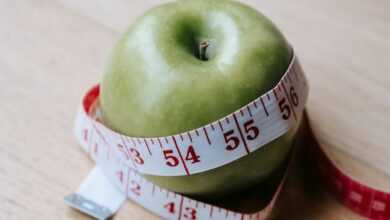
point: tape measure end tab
(87, 206)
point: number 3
(136, 156)
(190, 213)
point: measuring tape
(121, 159)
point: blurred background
(52, 51)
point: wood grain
(51, 51)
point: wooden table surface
(53, 50)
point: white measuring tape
(121, 159)
(211, 146)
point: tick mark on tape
(241, 135)
(128, 154)
(127, 181)
(207, 135)
(211, 211)
(91, 137)
(123, 149)
(295, 72)
(95, 151)
(85, 132)
(159, 142)
(289, 78)
(189, 136)
(220, 125)
(104, 140)
(120, 176)
(180, 156)
(275, 94)
(100, 134)
(265, 109)
(289, 101)
(254, 103)
(147, 146)
(249, 111)
(180, 207)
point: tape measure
(121, 159)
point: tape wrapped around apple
(185, 64)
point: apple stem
(203, 55)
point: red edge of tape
(360, 198)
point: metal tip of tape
(87, 206)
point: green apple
(187, 63)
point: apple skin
(156, 84)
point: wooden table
(53, 50)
